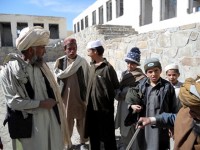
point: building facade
(11, 25)
(142, 15)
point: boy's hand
(136, 108)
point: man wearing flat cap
(35, 113)
(71, 71)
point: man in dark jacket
(100, 96)
(159, 106)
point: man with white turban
(35, 113)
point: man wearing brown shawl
(35, 109)
(187, 124)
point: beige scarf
(64, 128)
(72, 68)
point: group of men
(41, 115)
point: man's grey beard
(37, 61)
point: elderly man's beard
(37, 61)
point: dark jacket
(101, 87)
(99, 120)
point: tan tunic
(74, 105)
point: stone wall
(179, 45)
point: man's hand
(143, 121)
(48, 103)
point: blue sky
(59, 8)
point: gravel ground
(7, 142)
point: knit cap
(150, 63)
(133, 55)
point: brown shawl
(184, 136)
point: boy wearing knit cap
(129, 78)
(158, 101)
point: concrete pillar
(14, 32)
(156, 11)
(30, 24)
(114, 9)
(104, 13)
(97, 15)
(46, 26)
(182, 7)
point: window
(20, 26)
(38, 24)
(109, 10)
(146, 11)
(119, 7)
(5, 34)
(78, 27)
(101, 15)
(194, 6)
(168, 9)
(82, 25)
(74, 28)
(54, 32)
(94, 17)
(86, 21)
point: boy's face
(172, 76)
(91, 53)
(154, 74)
(131, 66)
(71, 50)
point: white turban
(32, 36)
(171, 66)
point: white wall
(132, 14)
